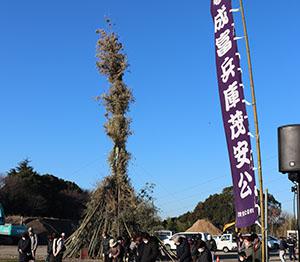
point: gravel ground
(10, 254)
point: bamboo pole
(259, 167)
(267, 227)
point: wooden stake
(259, 168)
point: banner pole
(259, 168)
(267, 226)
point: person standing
(139, 247)
(24, 248)
(282, 247)
(105, 246)
(54, 244)
(114, 251)
(211, 245)
(183, 250)
(248, 248)
(193, 248)
(150, 251)
(49, 248)
(122, 243)
(204, 254)
(59, 248)
(34, 242)
(256, 247)
(291, 246)
(131, 251)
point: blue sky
(49, 83)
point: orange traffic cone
(218, 259)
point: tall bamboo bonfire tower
(114, 201)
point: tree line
(219, 210)
(25, 192)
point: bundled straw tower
(113, 203)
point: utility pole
(257, 136)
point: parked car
(273, 242)
(216, 237)
(169, 243)
(226, 243)
(163, 234)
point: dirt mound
(15, 220)
(203, 225)
(44, 226)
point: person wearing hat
(182, 249)
(114, 251)
(34, 242)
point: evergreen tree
(25, 192)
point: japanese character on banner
(244, 184)
(221, 19)
(227, 69)
(240, 153)
(217, 2)
(237, 124)
(231, 96)
(223, 43)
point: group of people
(145, 248)
(287, 244)
(28, 244)
(195, 249)
(56, 247)
(249, 248)
(141, 248)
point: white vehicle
(226, 243)
(163, 234)
(169, 243)
(216, 238)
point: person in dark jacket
(24, 248)
(291, 247)
(204, 254)
(150, 251)
(182, 250)
(282, 247)
(256, 247)
(54, 239)
(131, 250)
(49, 247)
(193, 248)
(243, 257)
(122, 244)
(211, 245)
(139, 247)
(105, 247)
